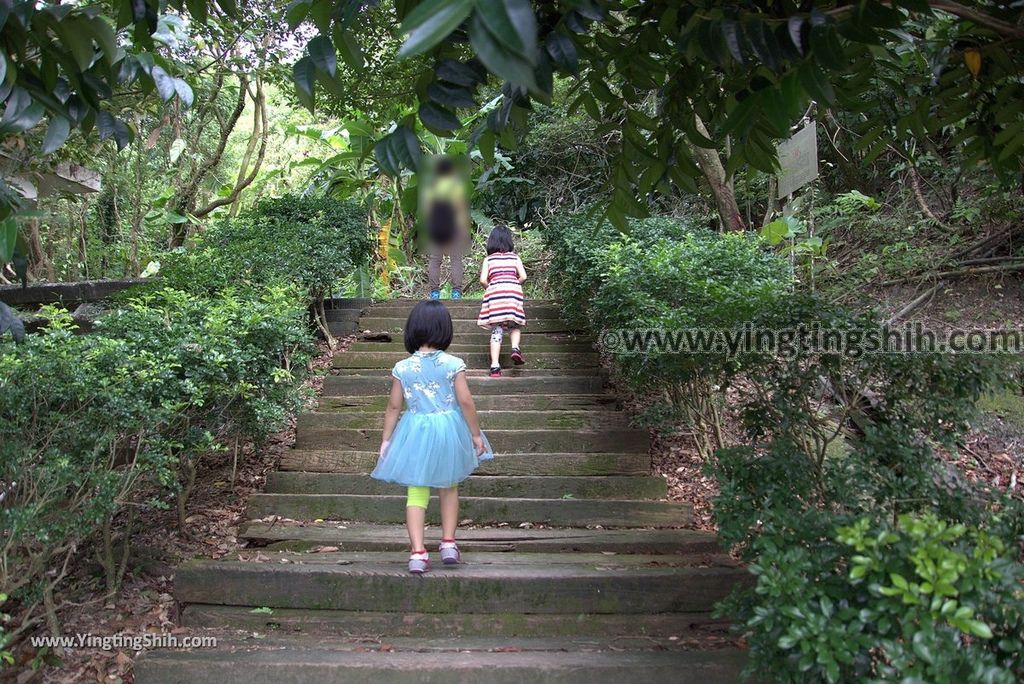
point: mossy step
(463, 325)
(484, 583)
(343, 315)
(565, 487)
(343, 328)
(489, 420)
(342, 623)
(477, 359)
(540, 464)
(378, 508)
(412, 301)
(351, 302)
(542, 344)
(282, 535)
(611, 440)
(464, 309)
(494, 402)
(353, 385)
(289, 660)
(507, 371)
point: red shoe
(517, 356)
(496, 372)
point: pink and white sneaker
(450, 552)
(419, 562)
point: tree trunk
(711, 166)
(185, 201)
(260, 132)
(39, 261)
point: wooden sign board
(798, 160)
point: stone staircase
(576, 568)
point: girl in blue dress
(437, 441)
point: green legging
(418, 497)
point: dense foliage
(665, 275)
(834, 448)
(98, 426)
(313, 241)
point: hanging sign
(798, 160)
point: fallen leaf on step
(325, 549)
(507, 649)
(387, 648)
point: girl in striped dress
(502, 309)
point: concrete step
(464, 308)
(540, 464)
(283, 535)
(348, 303)
(541, 344)
(495, 660)
(343, 315)
(489, 420)
(479, 359)
(566, 487)
(344, 623)
(507, 371)
(611, 440)
(495, 402)
(379, 508)
(355, 385)
(462, 326)
(484, 583)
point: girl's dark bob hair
(500, 240)
(429, 324)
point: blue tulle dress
(431, 445)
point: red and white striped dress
(503, 300)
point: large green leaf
(321, 51)
(164, 83)
(512, 23)
(110, 126)
(497, 58)
(56, 133)
(450, 96)
(295, 14)
(438, 119)
(198, 9)
(349, 48)
(456, 72)
(431, 22)
(184, 91)
(563, 52)
(398, 149)
(304, 75)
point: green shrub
(920, 600)
(314, 242)
(99, 424)
(667, 275)
(833, 446)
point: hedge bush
(100, 426)
(312, 241)
(834, 447)
(667, 275)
